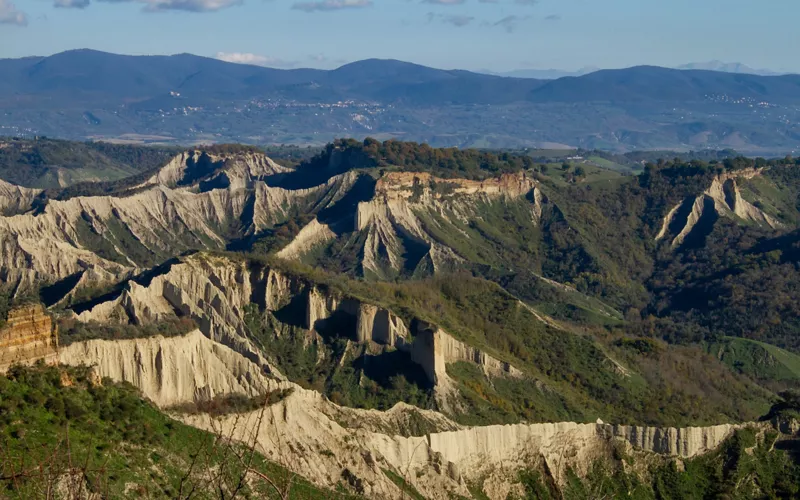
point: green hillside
(766, 363)
(61, 431)
(50, 163)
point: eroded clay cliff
(216, 292)
(327, 443)
(722, 199)
(109, 237)
(402, 208)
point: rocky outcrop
(378, 325)
(114, 236)
(685, 442)
(722, 199)
(398, 215)
(27, 337)
(405, 201)
(216, 292)
(407, 185)
(234, 171)
(303, 431)
(313, 234)
(434, 349)
(16, 199)
(325, 442)
(171, 371)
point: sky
(496, 35)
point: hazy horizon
(493, 35)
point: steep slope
(196, 201)
(218, 294)
(150, 364)
(721, 199)
(416, 223)
(305, 433)
(120, 445)
(770, 365)
(458, 343)
(16, 199)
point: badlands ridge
(202, 203)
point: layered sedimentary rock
(113, 236)
(173, 370)
(216, 292)
(28, 336)
(721, 199)
(236, 171)
(16, 199)
(327, 443)
(404, 206)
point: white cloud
(329, 5)
(10, 15)
(455, 20)
(190, 5)
(254, 59)
(71, 4)
(185, 5)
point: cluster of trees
(34, 162)
(72, 330)
(415, 157)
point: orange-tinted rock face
(395, 185)
(27, 337)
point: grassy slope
(745, 466)
(759, 360)
(577, 378)
(128, 448)
(48, 163)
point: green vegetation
(50, 163)
(232, 403)
(71, 330)
(404, 486)
(747, 465)
(347, 154)
(774, 367)
(60, 430)
(576, 376)
(348, 373)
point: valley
(389, 319)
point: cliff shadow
(705, 224)
(339, 325)
(293, 313)
(144, 279)
(52, 294)
(341, 216)
(791, 447)
(384, 367)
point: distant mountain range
(187, 98)
(543, 74)
(732, 68)
(553, 74)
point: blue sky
(472, 34)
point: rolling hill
(186, 98)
